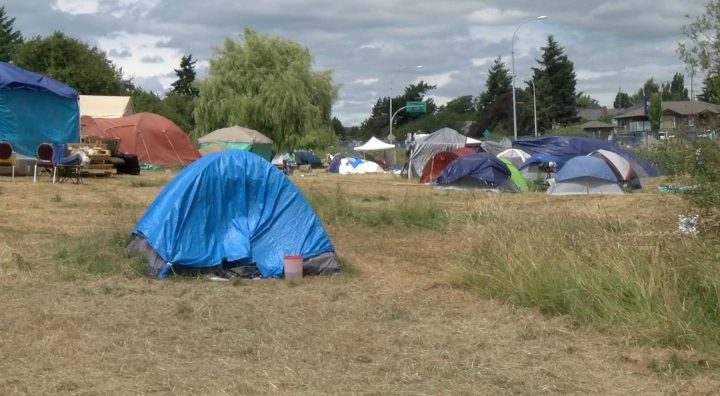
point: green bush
(698, 164)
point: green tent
(236, 138)
(515, 175)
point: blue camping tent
(567, 147)
(231, 206)
(585, 175)
(334, 166)
(308, 158)
(35, 109)
(480, 170)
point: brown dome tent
(153, 138)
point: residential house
(598, 129)
(681, 117)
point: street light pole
(513, 69)
(390, 113)
(534, 106)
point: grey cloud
(152, 59)
(119, 54)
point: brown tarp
(153, 138)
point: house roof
(596, 125)
(682, 107)
(97, 106)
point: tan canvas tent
(97, 106)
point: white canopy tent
(375, 144)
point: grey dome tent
(445, 139)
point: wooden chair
(45, 162)
(7, 157)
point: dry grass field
(418, 311)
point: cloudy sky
(373, 46)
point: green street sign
(415, 107)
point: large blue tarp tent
(231, 206)
(36, 109)
(567, 147)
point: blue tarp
(541, 159)
(35, 109)
(584, 166)
(308, 158)
(567, 147)
(481, 166)
(232, 206)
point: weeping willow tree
(267, 83)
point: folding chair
(45, 162)
(67, 167)
(7, 157)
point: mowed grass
(445, 292)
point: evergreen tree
(622, 101)
(10, 38)
(675, 90)
(185, 84)
(555, 81)
(499, 82)
(655, 112)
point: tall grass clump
(337, 208)
(598, 272)
(96, 255)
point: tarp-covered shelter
(236, 138)
(232, 207)
(36, 109)
(334, 166)
(445, 139)
(482, 171)
(308, 158)
(153, 138)
(568, 147)
(101, 106)
(584, 175)
(439, 161)
(496, 148)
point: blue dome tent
(585, 175)
(36, 109)
(231, 207)
(478, 171)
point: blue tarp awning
(567, 147)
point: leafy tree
(460, 105)
(378, 122)
(703, 51)
(711, 87)
(267, 83)
(622, 101)
(655, 112)
(555, 80)
(650, 87)
(185, 84)
(73, 62)
(586, 100)
(176, 108)
(10, 38)
(499, 82)
(338, 127)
